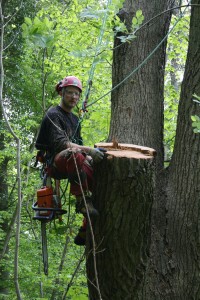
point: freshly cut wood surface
(127, 150)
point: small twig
(30, 218)
(8, 235)
(60, 268)
(11, 42)
(73, 275)
(62, 258)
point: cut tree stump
(123, 195)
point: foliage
(195, 118)
(128, 34)
(55, 43)
(176, 56)
(46, 48)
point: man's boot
(80, 206)
(80, 238)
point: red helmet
(69, 81)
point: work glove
(96, 154)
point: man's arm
(73, 146)
(59, 141)
(95, 153)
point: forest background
(42, 42)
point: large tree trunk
(137, 105)
(137, 109)
(183, 227)
(137, 117)
(123, 196)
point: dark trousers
(69, 165)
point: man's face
(70, 98)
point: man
(60, 136)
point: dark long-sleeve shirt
(58, 128)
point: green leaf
(138, 13)
(193, 118)
(28, 21)
(134, 21)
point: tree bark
(123, 195)
(137, 117)
(182, 234)
(137, 105)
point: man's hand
(96, 154)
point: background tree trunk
(4, 223)
(182, 235)
(11, 49)
(3, 180)
(123, 196)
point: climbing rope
(91, 73)
(92, 69)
